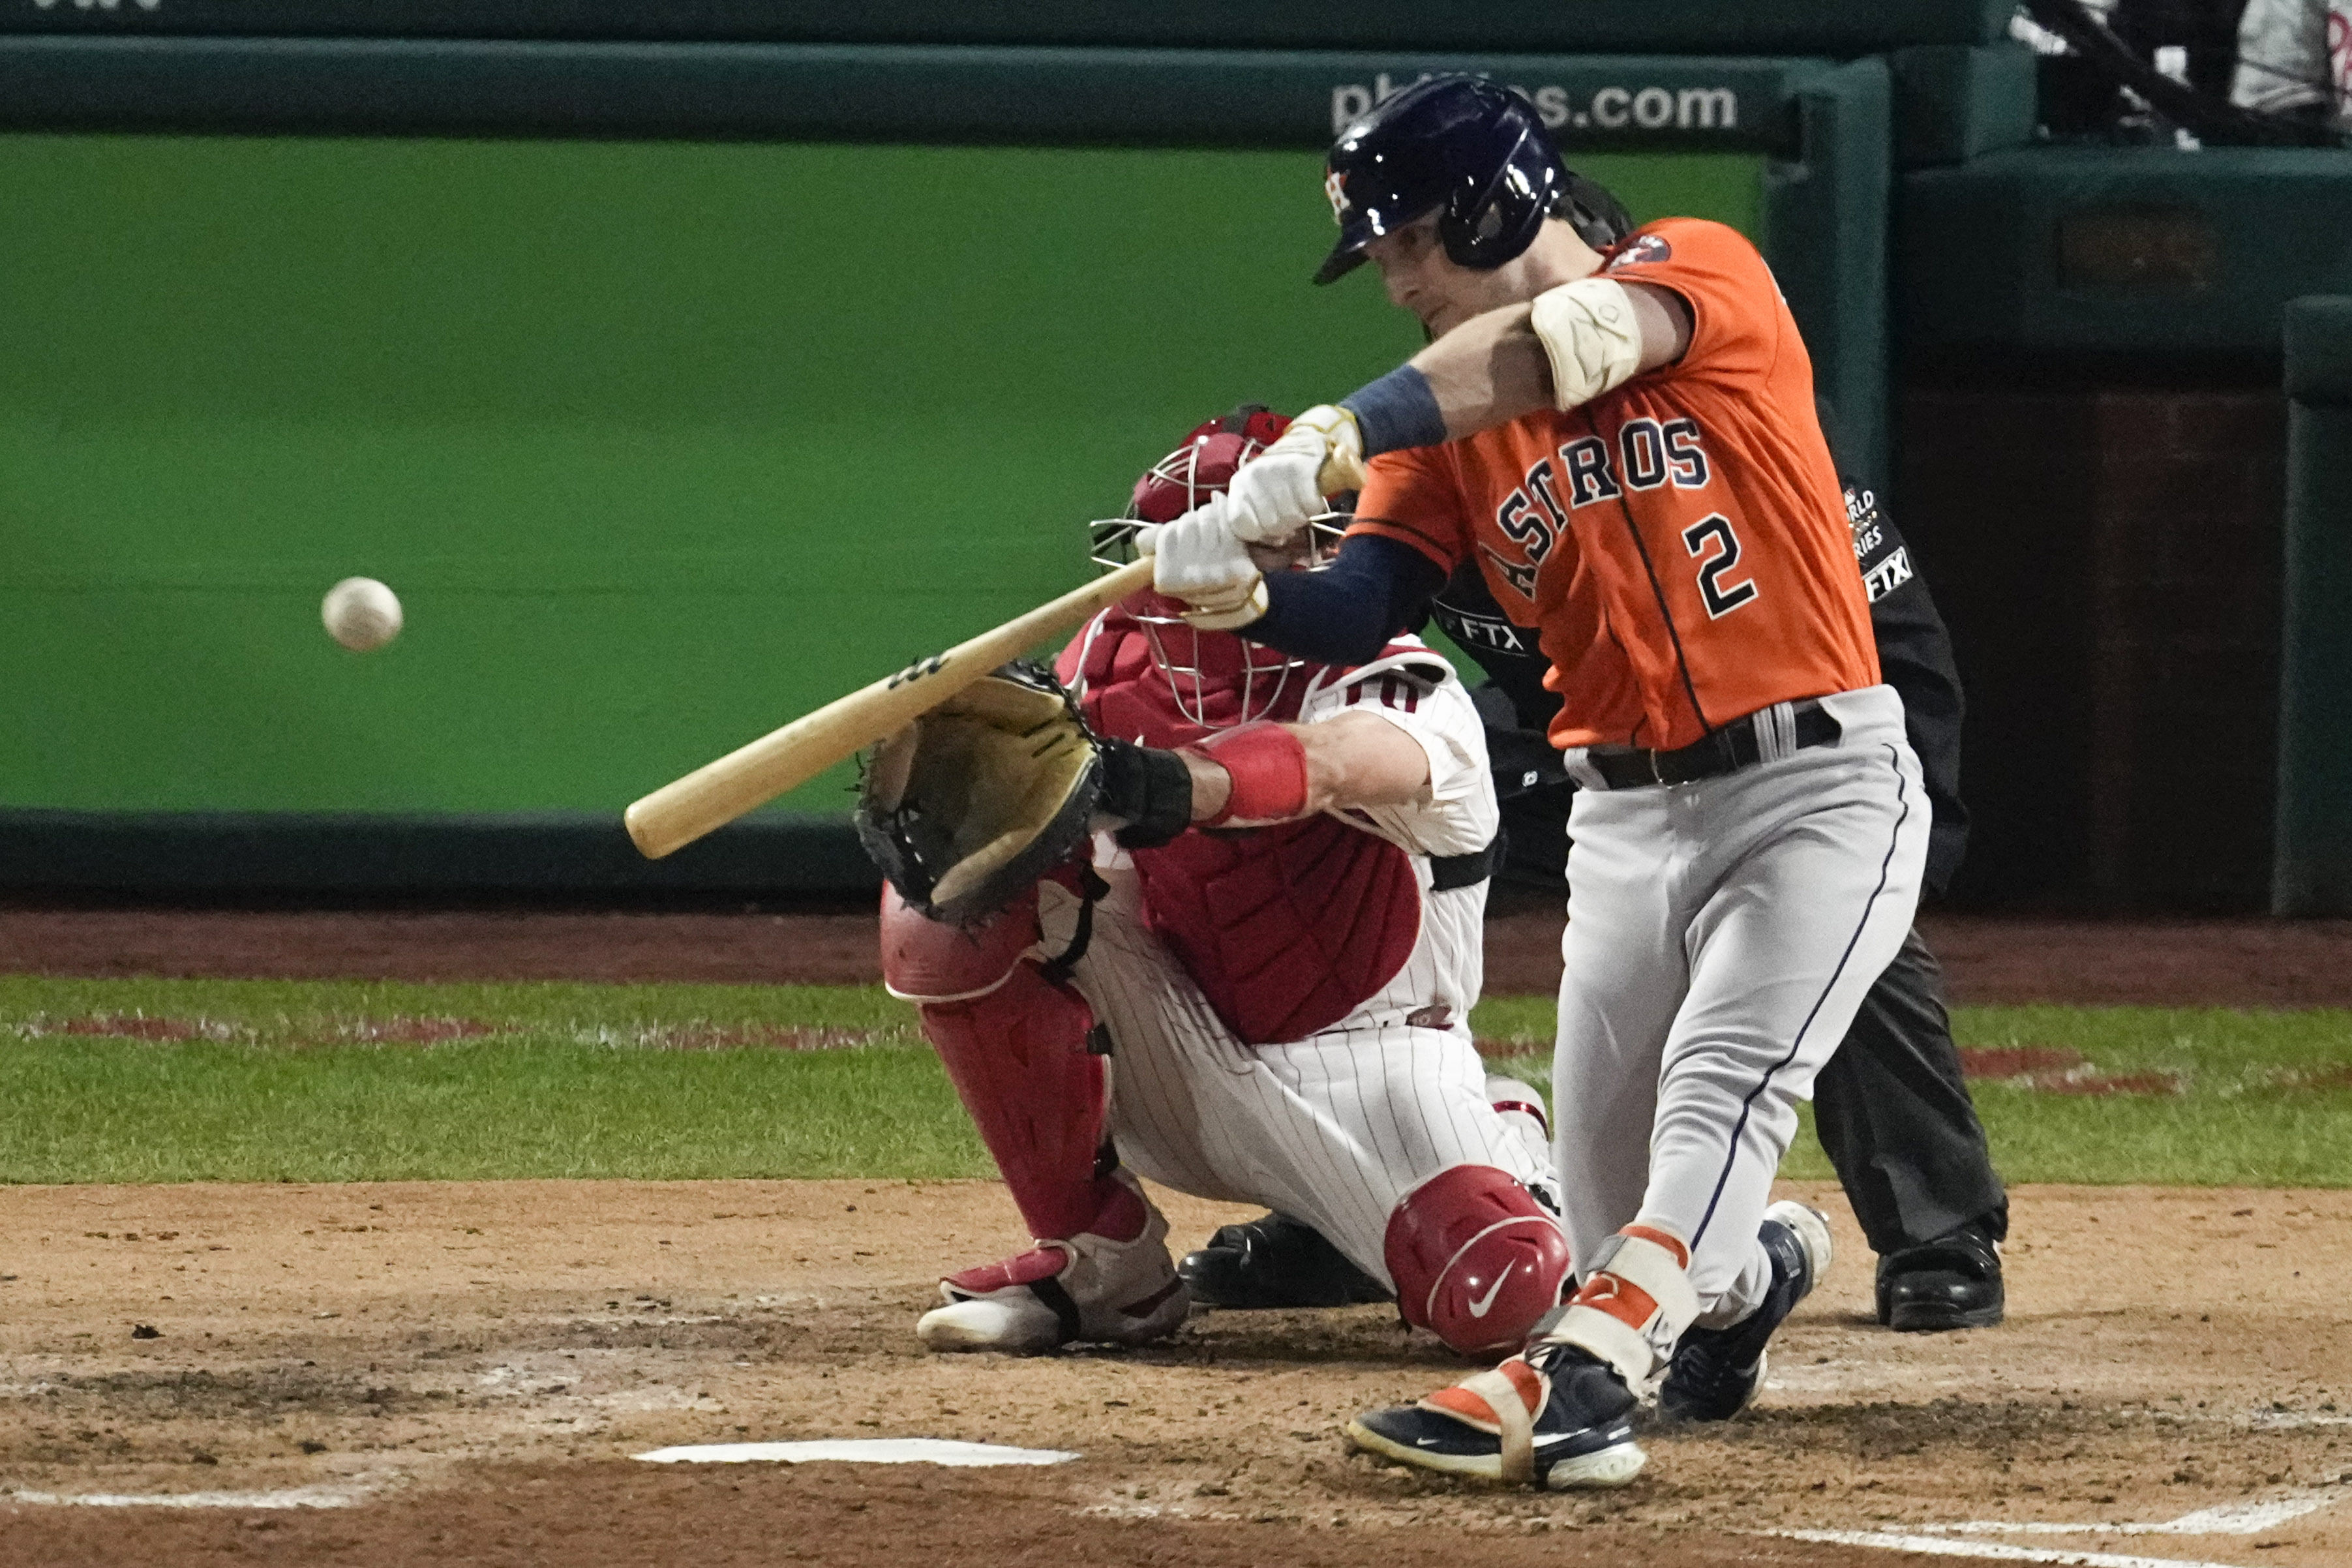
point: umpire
(1891, 1109)
(1890, 1106)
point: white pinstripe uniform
(1336, 1128)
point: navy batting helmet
(1472, 151)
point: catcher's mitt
(965, 808)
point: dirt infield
(408, 1374)
(2241, 962)
(469, 1369)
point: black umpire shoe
(1951, 1283)
(1716, 1371)
(1580, 1435)
(1275, 1261)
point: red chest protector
(1286, 930)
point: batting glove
(1197, 559)
(1273, 494)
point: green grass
(267, 1080)
(574, 1080)
(290, 1009)
(2258, 1099)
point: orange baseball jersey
(1679, 545)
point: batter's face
(1423, 278)
(1444, 293)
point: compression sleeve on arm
(1346, 613)
(1397, 411)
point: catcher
(1200, 912)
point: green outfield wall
(1842, 27)
(660, 443)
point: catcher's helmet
(1472, 151)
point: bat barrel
(747, 778)
(716, 794)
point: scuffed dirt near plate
(460, 1372)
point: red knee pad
(924, 960)
(1476, 1258)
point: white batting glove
(1197, 559)
(1273, 495)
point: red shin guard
(1476, 1258)
(1019, 1061)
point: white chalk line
(2229, 1519)
(1945, 1546)
(858, 1450)
(1938, 1540)
(289, 1496)
(2292, 1420)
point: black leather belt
(1726, 751)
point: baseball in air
(360, 613)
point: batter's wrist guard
(1148, 789)
(1397, 411)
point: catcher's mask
(1200, 468)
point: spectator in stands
(2295, 56)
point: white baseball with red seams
(361, 613)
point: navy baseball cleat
(1716, 1371)
(1556, 1417)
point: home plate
(858, 1451)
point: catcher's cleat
(1556, 1417)
(1716, 1371)
(1275, 1261)
(1089, 1289)
(1951, 1283)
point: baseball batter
(1272, 1008)
(1891, 1106)
(1626, 446)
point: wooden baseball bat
(718, 793)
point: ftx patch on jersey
(1886, 563)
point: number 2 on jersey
(1721, 597)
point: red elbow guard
(1268, 766)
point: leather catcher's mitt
(965, 808)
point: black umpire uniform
(1890, 1106)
